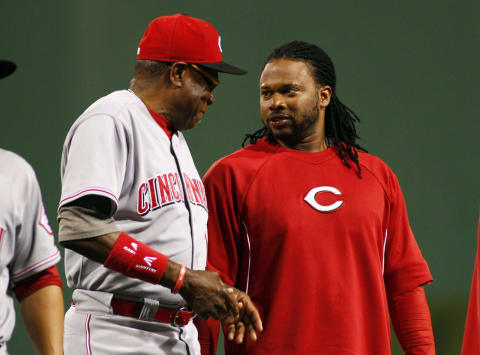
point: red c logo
(310, 199)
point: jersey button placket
(174, 146)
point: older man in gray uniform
(133, 211)
(28, 255)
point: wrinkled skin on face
(192, 100)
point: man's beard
(299, 130)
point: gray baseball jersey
(117, 150)
(26, 239)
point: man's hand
(248, 319)
(208, 295)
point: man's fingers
(252, 332)
(240, 326)
(235, 330)
(254, 316)
(231, 331)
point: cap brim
(223, 67)
(6, 68)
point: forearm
(412, 323)
(89, 230)
(81, 231)
(42, 314)
(99, 248)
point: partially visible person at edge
(28, 255)
(312, 227)
(133, 212)
(471, 337)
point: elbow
(80, 246)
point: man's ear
(177, 70)
(324, 95)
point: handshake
(210, 297)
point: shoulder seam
(378, 180)
(247, 190)
(114, 114)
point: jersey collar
(165, 124)
(308, 157)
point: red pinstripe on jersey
(87, 332)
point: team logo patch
(310, 199)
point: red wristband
(181, 276)
(135, 259)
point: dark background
(409, 69)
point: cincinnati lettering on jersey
(166, 189)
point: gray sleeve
(35, 249)
(94, 159)
(76, 222)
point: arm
(33, 274)
(471, 340)
(42, 313)
(41, 305)
(248, 321)
(411, 320)
(203, 290)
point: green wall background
(409, 69)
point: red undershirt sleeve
(471, 337)
(405, 267)
(224, 227)
(35, 282)
(412, 323)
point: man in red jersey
(471, 338)
(313, 228)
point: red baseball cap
(181, 38)
(6, 68)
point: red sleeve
(208, 332)
(471, 338)
(405, 267)
(35, 282)
(411, 321)
(224, 225)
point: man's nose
(277, 103)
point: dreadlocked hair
(339, 119)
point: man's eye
(290, 91)
(266, 94)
